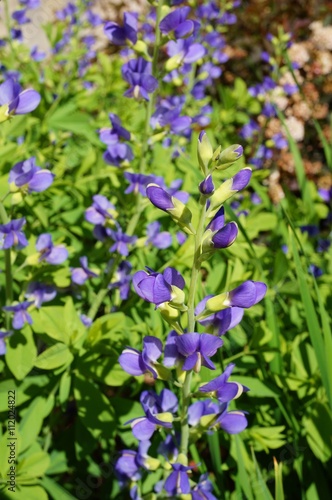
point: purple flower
(79, 275)
(122, 241)
(176, 22)
(185, 51)
(177, 482)
(86, 320)
(53, 254)
(158, 288)
(207, 187)
(40, 293)
(122, 279)
(165, 117)
(137, 72)
(118, 35)
(222, 321)
(137, 182)
(217, 234)
(118, 154)
(244, 296)
(172, 205)
(100, 211)
(19, 102)
(202, 491)
(30, 4)
(26, 175)
(11, 234)
(21, 315)
(20, 17)
(37, 55)
(137, 363)
(3, 336)
(249, 129)
(158, 413)
(93, 19)
(158, 239)
(223, 390)
(201, 408)
(231, 422)
(197, 348)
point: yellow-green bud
(204, 152)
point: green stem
(8, 269)
(104, 289)
(150, 105)
(186, 395)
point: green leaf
(105, 327)
(54, 357)
(21, 353)
(94, 409)
(68, 118)
(34, 464)
(279, 490)
(315, 330)
(49, 320)
(242, 474)
(55, 490)
(25, 390)
(318, 424)
(32, 422)
(258, 388)
(33, 492)
(64, 389)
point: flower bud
(204, 152)
(228, 189)
(174, 207)
(227, 157)
(206, 187)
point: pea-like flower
(137, 363)
(220, 322)
(52, 254)
(173, 206)
(244, 296)
(40, 293)
(101, 210)
(79, 275)
(21, 315)
(177, 482)
(159, 288)
(27, 176)
(119, 35)
(137, 72)
(18, 102)
(197, 348)
(158, 410)
(177, 23)
(157, 238)
(122, 240)
(203, 489)
(218, 234)
(11, 234)
(223, 390)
